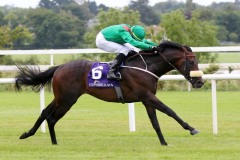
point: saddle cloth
(97, 77)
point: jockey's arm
(149, 42)
(128, 39)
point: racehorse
(140, 75)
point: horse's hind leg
(52, 119)
(45, 113)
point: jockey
(122, 39)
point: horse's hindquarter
(70, 79)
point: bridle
(188, 77)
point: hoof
(54, 143)
(193, 132)
(23, 136)
(164, 144)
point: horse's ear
(187, 48)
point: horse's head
(182, 59)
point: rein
(140, 69)
(143, 60)
(144, 70)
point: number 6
(97, 73)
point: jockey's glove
(155, 49)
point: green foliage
(225, 15)
(92, 5)
(5, 36)
(81, 11)
(49, 4)
(211, 69)
(168, 6)
(2, 20)
(32, 60)
(231, 21)
(6, 60)
(8, 36)
(148, 16)
(222, 33)
(62, 30)
(192, 32)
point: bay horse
(139, 84)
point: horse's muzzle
(197, 82)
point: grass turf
(94, 129)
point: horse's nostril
(200, 83)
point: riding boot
(114, 66)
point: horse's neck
(155, 64)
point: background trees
(193, 32)
(75, 23)
(53, 30)
(147, 15)
(9, 36)
(229, 21)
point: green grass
(94, 129)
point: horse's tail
(29, 76)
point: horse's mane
(162, 47)
(168, 44)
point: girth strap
(119, 94)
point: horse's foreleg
(45, 113)
(153, 118)
(165, 109)
(156, 103)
